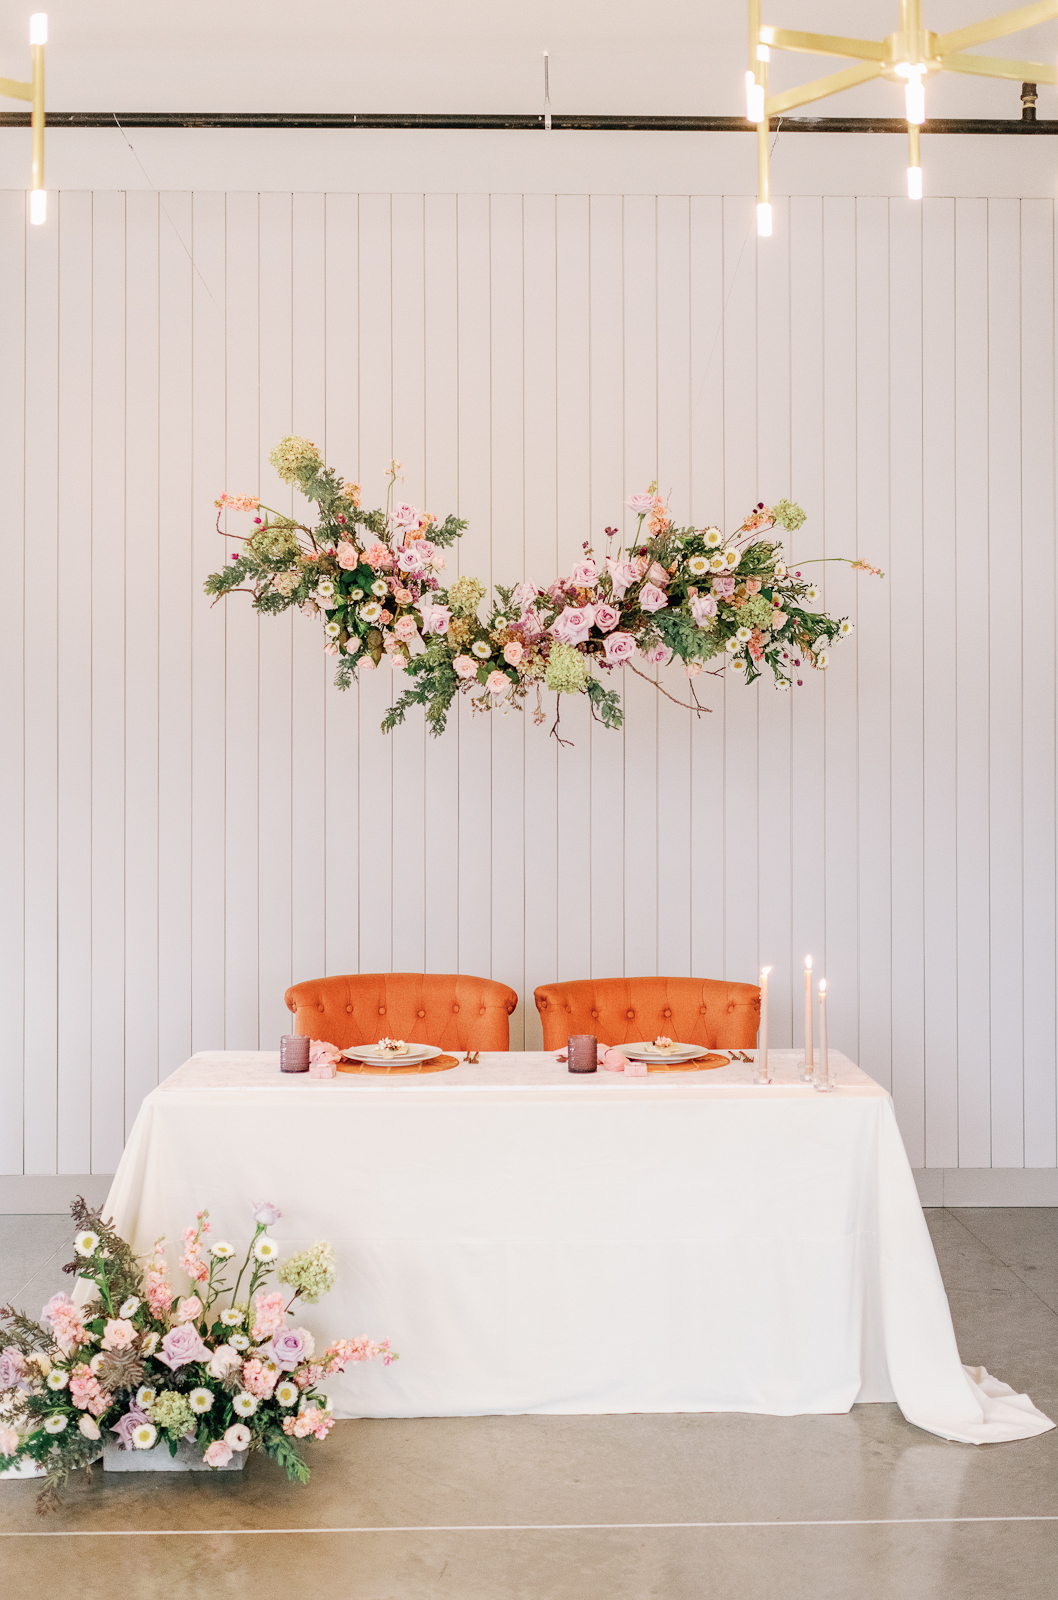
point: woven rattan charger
(699, 1064)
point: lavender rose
(622, 575)
(181, 1345)
(585, 574)
(264, 1211)
(573, 625)
(125, 1426)
(651, 598)
(620, 647)
(435, 619)
(606, 618)
(291, 1347)
(702, 606)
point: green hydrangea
(310, 1272)
(294, 457)
(756, 612)
(466, 594)
(171, 1412)
(788, 514)
(567, 669)
(276, 542)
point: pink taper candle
(809, 1043)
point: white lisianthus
(145, 1396)
(845, 628)
(231, 1318)
(129, 1307)
(238, 1341)
(713, 537)
(57, 1378)
(200, 1400)
(743, 635)
(266, 1249)
(698, 566)
(144, 1436)
(55, 1423)
(150, 1344)
(380, 587)
(822, 643)
(822, 661)
(238, 1436)
(480, 649)
(244, 1404)
(222, 1250)
(287, 1393)
(88, 1426)
(85, 1243)
(371, 612)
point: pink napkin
(601, 1049)
(320, 1051)
(615, 1061)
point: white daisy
(822, 661)
(266, 1249)
(743, 635)
(150, 1344)
(731, 646)
(332, 630)
(325, 591)
(480, 649)
(845, 628)
(85, 1243)
(144, 1436)
(96, 1361)
(55, 1424)
(129, 1307)
(780, 570)
(200, 1400)
(380, 587)
(287, 1393)
(739, 664)
(238, 1341)
(57, 1378)
(356, 594)
(231, 1318)
(222, 1250)
(238, 1436)
(716, 563)
(812, 595)
(713, 537)
(244, 1404)
(371, 612)
(697, 566)
(732, 559)
(145, 1395)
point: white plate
(642, 1051)
(371, 1053)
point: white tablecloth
(531, 1241)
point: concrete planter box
(188, 1458)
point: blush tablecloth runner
(536, 1242)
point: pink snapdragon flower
(573, 625)
(269, 1311)
(651, 598)
(343, 1351)
(238, 502)
(65, 1321)
(259, 1379)
(311, 1420)
(86, 1392)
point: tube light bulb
(38, 206)
(763, 53)
(754, 99)
(38, 28)
(914, 183)
(915, 95)
(764, 220)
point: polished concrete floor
(678, 1507)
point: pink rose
(585, 574)
(188, 1310)
(437, 560)
(497, 683)
(465, 667)
(435, 619)
(657, 574)
(641, 504)
(405, 630)
(415, 556)
(778, 618)
(9, 1441)
(724, 585)
(651, 598)
(119, 1332)
(703, 606)
(265, 1212)
(348, 556)
(291, 1347)
(180, 1346)
(523, 595)
(620, 647)
(223, 1361)
(658, 655)
(218, 1454)
(606, 617)
(573, 625)
(404, 516)
(513, 652)
(622, 575)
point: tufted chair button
(382, 1011)
(595, 1014)
(320, 1006)
(420, 1013)
(481, 1012)
(731, 1005)
(701, 1011)
(667, 1013)
(455, 1008)
(349, 1009)
(568, 1010)
(629, 1015)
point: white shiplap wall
(191, 818)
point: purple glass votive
(582, 1049)
(294, 1052)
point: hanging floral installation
(376, 578)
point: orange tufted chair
(705, 1011)
(451, 1010)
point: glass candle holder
(294, 1052)
(582, 1050)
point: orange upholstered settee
(450, 1010)
(705, 1011)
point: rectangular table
(532, 1241)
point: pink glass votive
(582, 1050)
(294, 1052)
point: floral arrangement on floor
(374, 577)
(153, 1369)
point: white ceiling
(680, 56)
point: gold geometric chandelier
(909, 56)
(12, 89)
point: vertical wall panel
(191, 817)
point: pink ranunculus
(223, 1361)
(651, 598)
(218, 1454)
(523, 595)
(405, 630)
(641, 504)
(606, 618)
(658, 655)
(265, 1212)
(573, 625)
(620, 647)
(585, 574)
(118, 1333)
(497, 683)
(622, 575)
(180, 1346)
(291, 1347)
(379, 556)
(435, 619)
(703, 606)
(465, 667)
(268, 1314)
(238, 1436)
(513, 651)
(724, 585)
(348, 555)
(188, 1309)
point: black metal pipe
(487, 121)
